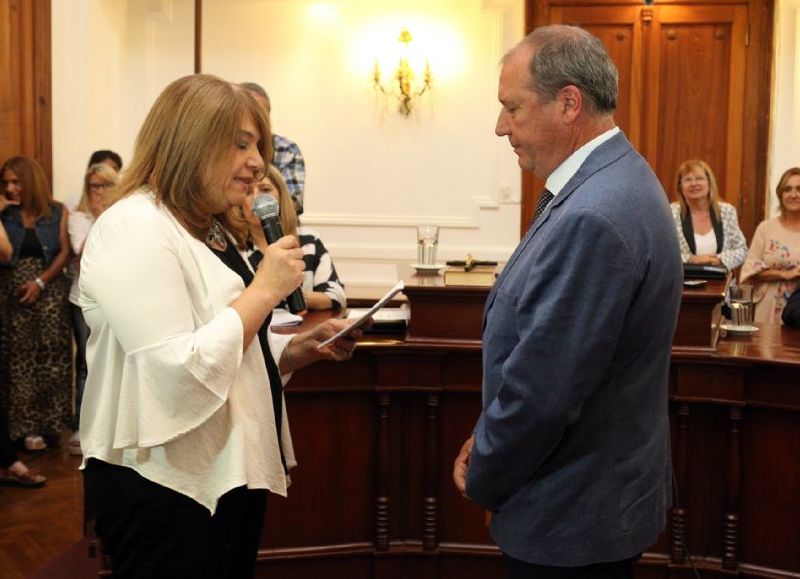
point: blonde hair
(33, 182)
(106, 172)
(788, 174)
(288, 214)
(190, 130)
(713, 190)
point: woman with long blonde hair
(322, 288)
(183, 424)
(98, 184)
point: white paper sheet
(362, 320)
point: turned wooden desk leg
(730, 533)
(382, 501)
(430, 512)
(680, 515)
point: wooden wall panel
(619, 27)
(696, 99)
(338, 453)
(771, 445)
(460, 521)
(25, 80)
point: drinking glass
(427, 241)
(742, 309)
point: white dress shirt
(567, 169)
(78, 226)
(171, 393)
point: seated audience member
(773, 264)
(35, 336)
(104, 156)
(791, 313)
(708, 228)
(286, 154)
(99, 180)
(322, 288)
(14, 472)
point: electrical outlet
(506, 194)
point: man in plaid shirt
(287, 157)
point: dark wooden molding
(198, 36)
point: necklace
(216, 237)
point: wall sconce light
(402, 85)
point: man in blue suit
(571, 451)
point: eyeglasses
(100, 187)
(689, 179)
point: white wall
(111, 59)
(372, 174)
(785, 133)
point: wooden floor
(36, 525)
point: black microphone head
(265, 207)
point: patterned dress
(773, 247)
(35, 351)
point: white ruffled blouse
(170, 391)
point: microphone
(266, 209)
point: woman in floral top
(773, 264)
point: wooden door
(620, 29)
(695, 93)
(25, 110)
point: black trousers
(151, 531)
(615, 570)
(8, 455)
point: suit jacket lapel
(602, 156)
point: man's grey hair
(569, 55)
(256, 88)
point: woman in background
(99, 180)
(708, 228)
(13, 472)
(773, 264)
(35, 337)
(322, 288)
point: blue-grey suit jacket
(571, 451)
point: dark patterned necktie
(544, 200)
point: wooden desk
(375, 438)
(700, 316)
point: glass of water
(427, 241)
(742, 309)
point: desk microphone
(266, 209)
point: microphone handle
(273, 232)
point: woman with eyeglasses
(708, 228)
(35, 337)
(773, 265)
(99, 181)
(183, 425)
